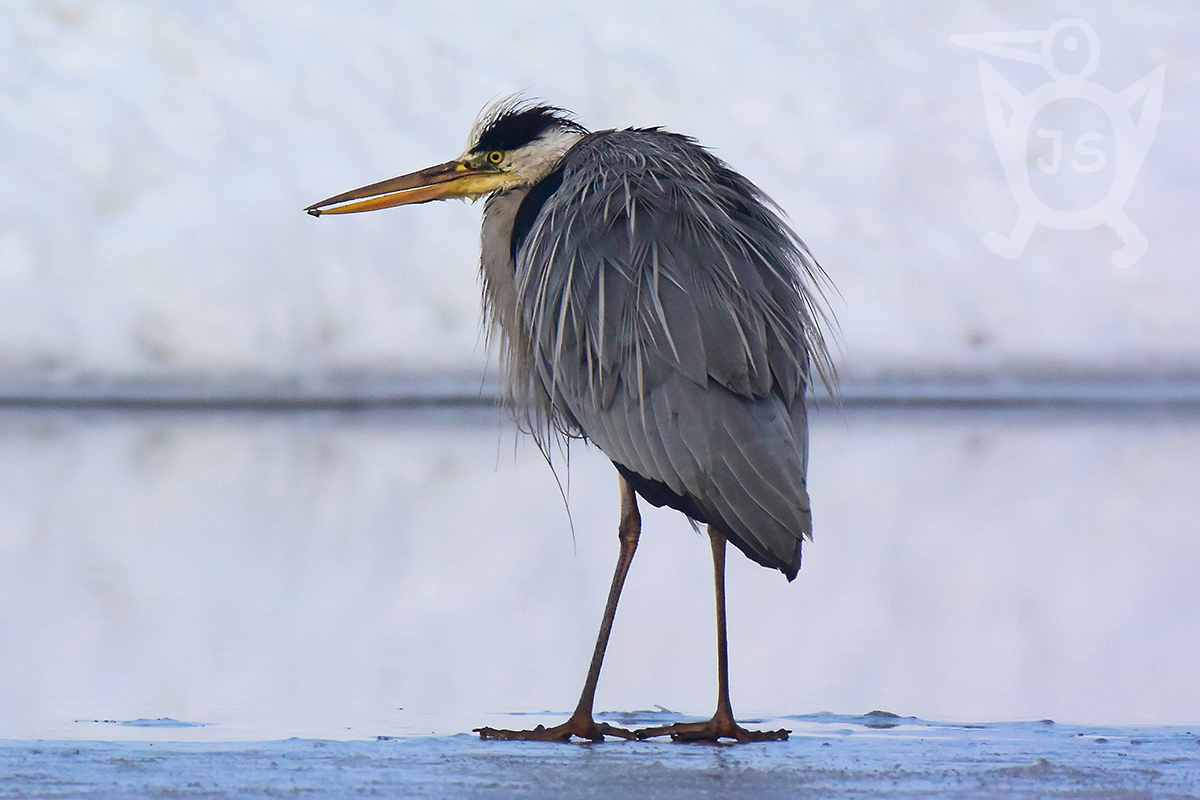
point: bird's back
(668, 312)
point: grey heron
(653, 301)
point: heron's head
(514, 143)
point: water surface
(348, 575)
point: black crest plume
(515, 122)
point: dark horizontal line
(247, 402)
(858, 395)
(1017, 395)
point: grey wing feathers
(669, 310)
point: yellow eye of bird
(495, 157)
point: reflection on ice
(347, 576)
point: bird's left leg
(722, 725)
(581, 723)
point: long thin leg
(724, 707)
(581, 723)
(722, 725)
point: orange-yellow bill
(452, 179)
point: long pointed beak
(452, 179)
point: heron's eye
(495, 157)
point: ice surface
(827, 756)
(158, 156)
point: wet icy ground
(827, 756)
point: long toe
(580, 727)
(714, 730)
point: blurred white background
(311, 574)
(158, 156)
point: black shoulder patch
(528, 210)
(517, 127)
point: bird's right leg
(581, 723)
(722, 725)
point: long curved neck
(503, 313)
(499, 279)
